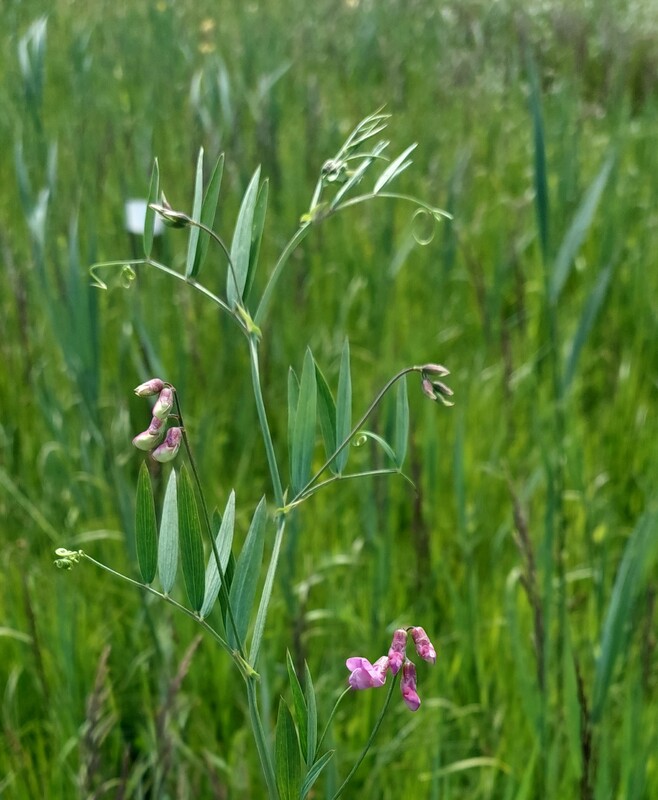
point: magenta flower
(397, 650)
(151, 436)
(164, 403)
(154, 386)
(169, 448)
(424, 647)
(366, 675)
(408, 686)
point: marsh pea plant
(212, 573)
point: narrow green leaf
(311, 717)
(208, 211)
(223, 543)
(541, 181)
(396, 166)
(343, 407)
(191, 543)
(299, 703)
(241, 244)
(287, 758)
(314, 773)
(572, 709)
(146, 530)
(293, 400)
(247, 572)
(256, 236)
(358, 174)
(637, 561)
(386, 447)
(401, 434)
(304, 433)
(327, 414)
(574, 237)
(168, 543)
(149, 219)
(193, 241)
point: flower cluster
(152, 438)
(433, 388)
(365, 675)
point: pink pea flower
(424, 647)
(151, 436)
(366, 675)
(397, 650)
(164, 403)
(154, 386)
(169, 448)
(408, 686)
(435, 369)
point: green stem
(331, 717)
(354, 431)
(261, 742)
(368, 744)
(261, 617)
(335, 478)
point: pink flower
(397, 650)
(154, 386)
(424, 647)
(435, 369)
(408, 686)
(366, 675)
(164, 403)
(151, 436)
(169, 448)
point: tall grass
(530, 545)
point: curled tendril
(359, 440)
(128, 276)
(424, 226)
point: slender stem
(261, 742)
(262, 419)
(266, 297)
(354, 430)
(368, 744)
(331, 717)
(220, 242)
(335, 478)
(213, 543)
(261, 617)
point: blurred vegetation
(528, 551)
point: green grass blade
(256, 236)
(241, 244)
(343, 407)
(223, 542)
(299, 703)
(539, 148)
(293, 400)
(311, 716)
(287, 757)
(327, 414)
(193, 241)
(191, 543)
(146, 530)
(168, 543)
(304, 433)
(247, 573)
(208, 212)
(637, 561)
(578, 229)
(149, 219)
(401, 433)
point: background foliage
(527, 552)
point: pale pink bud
(424, 647)
(164, 403)
(151, 436)
(169, 448)
(397, 650)
(366, 675)
(149, 388)
(408, 686)
(429, 389)
(435, 369)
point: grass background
(528, 552)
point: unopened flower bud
(164, 403)
(171, 218)
(435, 369)
(169, 448)
(397, 650)
(428, 389)
(424, 647)
(149, 388)
(151, 436)
(408, 686)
